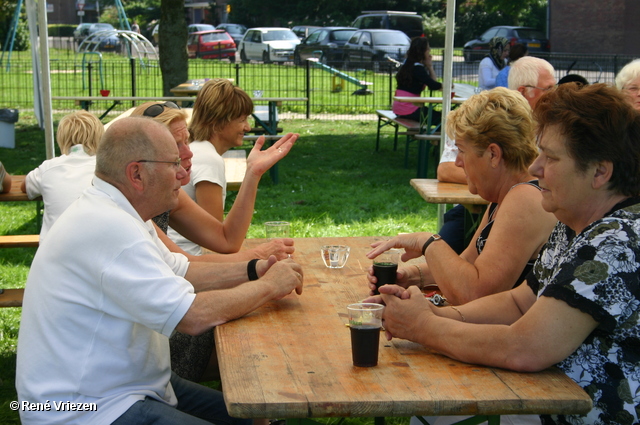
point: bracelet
(421, 285)
(459, 312)
(252, 273)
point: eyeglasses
(175, 163)
(158, 108)
(540, 88)
(632, 89)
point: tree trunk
(172, 43)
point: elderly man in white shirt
(104, 294)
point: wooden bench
(11, 297)
(389, 118)
(19, 241)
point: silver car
(268, 45)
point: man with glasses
(532, 77)
(104, 294)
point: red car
(214, 44)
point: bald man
(104, 294)
(532, 77)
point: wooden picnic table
(437, 192)
(292, 359)
(16, 194)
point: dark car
(325, 44)
(303, 31)
(375, 49)
(409, 23)
(535, 41)
(215, 44)
(236, 31)
(83, 31)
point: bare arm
(209, 198)
(214, 307)
(6, 181)
(520, 229)
(538, 337)
(450, 173)
(197, 225)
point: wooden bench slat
(11, 298)
(19, 241)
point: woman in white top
(61, 180)
(493, 63)
(219, 122)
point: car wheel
(296, 59)
(265, 57)
(243, 57)
(232, 59)
(467, 56)
(376, 66)
(323, 59)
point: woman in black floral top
(580, 309)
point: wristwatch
(429, 241)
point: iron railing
(333, 90)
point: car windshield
(530, 34)
(279, 35)
(389, 39)
(102, 27)
(214, 36)
(405, 23)
(342, 35)
(236, 28)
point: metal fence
(332, 90)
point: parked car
(303, 31)
(535, 40)
(82, 31)
(409, 23)
(268, 45)
(375, 48)
(199, 27)
(326, 44)
(213, 44)
(236, 31)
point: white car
(268, 45)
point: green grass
(332, 183)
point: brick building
(605, 26)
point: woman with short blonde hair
(494, 133)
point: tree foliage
(21, 40)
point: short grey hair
(526, 71)
(629, 72)
(126, 140)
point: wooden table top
(16, 193)
(436, 192)
(292, 359)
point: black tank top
(484, 234)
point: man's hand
(284, 276)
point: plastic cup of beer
(385, 267)
(365, 322)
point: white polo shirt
(207, 165)
(60, 181)
(102, 297)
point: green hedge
(61, 30)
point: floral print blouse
(597, 272)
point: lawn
(332, 183)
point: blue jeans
(197, 405)
(453, 228)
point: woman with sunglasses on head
(190, 220)
(194, 357)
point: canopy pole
(447, 78)
(45, 78)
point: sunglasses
(158, 108)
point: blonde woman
(494, 134)
(61, 180)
